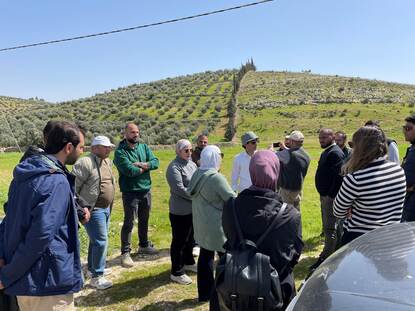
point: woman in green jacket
(209, 191)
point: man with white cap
(294, 165)
(94, 183)
(240, 169)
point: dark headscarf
(264, 169)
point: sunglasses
(253, 142)
(188, 150)
(407, 128)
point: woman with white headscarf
(178, 175)
(209, 191)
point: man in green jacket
(134, 162)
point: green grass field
(147, 287)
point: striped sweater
(374, 194)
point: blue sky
(365, 38)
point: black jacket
(328, 179)
(256, 211)
(408, 165)
(293, 173)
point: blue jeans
(97, 229)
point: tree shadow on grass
(136, 288)
(172, 305)
(116, 260)
(301, 270)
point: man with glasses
(241, 178)
(408, 165)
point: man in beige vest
(94, 183)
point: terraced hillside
(274, 103)
(166, 110)
(269, 89)
(270, 103)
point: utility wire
(136, 27)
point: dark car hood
(373, 272)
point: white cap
(296, 136)
(102, 141)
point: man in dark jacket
(134, 162)
(294, 166)
(328, 181)
(408, 165)
(202, 142)
(39, 246)
(340, 138)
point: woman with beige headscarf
(209, 191)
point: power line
(135, 27)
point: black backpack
(245, 279)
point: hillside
(270, 103)
(272, 89)
(274, 103)
(166, 110)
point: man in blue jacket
(39, 246)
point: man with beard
(134, 161)
(328, 181)
(39, 246)
(340, 138)
(202, 142)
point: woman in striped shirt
(373, 189)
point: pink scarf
(264, 169)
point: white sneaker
(192, 268)
(196, 251)
(100, 283)
(126, 260)
(107, 271)
(181, 279)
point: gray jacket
(178, 175)
(88, 178)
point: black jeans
(135, 203)
(182, 243)
(205, 279)
(349, 236)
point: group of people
(200, 209)
(361, 187)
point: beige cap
(296, 136)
